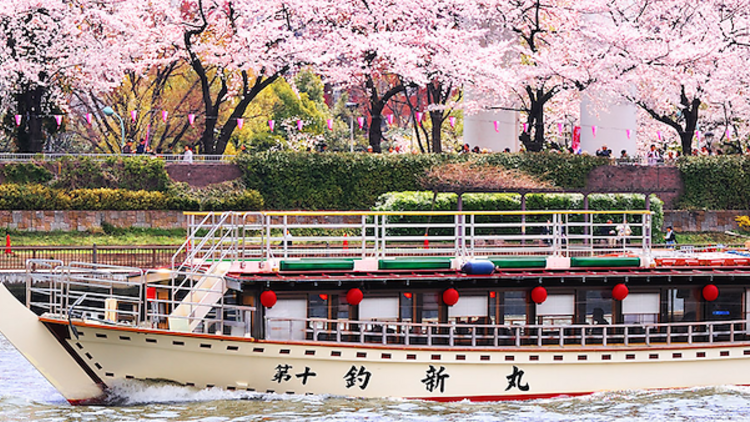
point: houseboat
(419, 305)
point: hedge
(343, 181)
(39, 197)
(719, 182)
(422, 201)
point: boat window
(318, 305)
(682, 305)
(727, 307)
(556, 310)
(471, 309)
(379, 309)
(407, 306)
(429, 309)
(513, 308)
(342, 308)
(286, 320)
(598, 307)
(640, 308)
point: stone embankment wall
(90, 220)
(702, 221)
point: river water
(26, 396)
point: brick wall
(664, 181)
(201, 175)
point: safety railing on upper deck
(127, 296)
(491, 335)
(267, 235)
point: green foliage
(140, 172)
(117, 199)
(82, 173)
(32, 197)
(719, 182)
(26, 173)
(288, 180)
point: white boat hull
(382, 371)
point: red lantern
(710, 292)
(268, 298)
(354, 296)
(407, 295)
(323, 296)
(450, 296)
(539, 294)
(620, 291)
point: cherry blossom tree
(679, 60)
(48, 48)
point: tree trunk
(377, 104)
(30, 136)
(436, 117)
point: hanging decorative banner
(729, 136)
(240, 122)
(360, 122)
(452, 121)
(58, 119)
(559, 128)
(658, 135)
(89, 117)
(698, 135)
(164, 114)
(627, 132)
(300, 123)
(270, 124)
(389, 118)
(148, 132)
(134, 115)
(18, 120)
(329, 122)
(525, 127)
(191, 118)
(576, 143)
(419, 117)
(497, 124)
(593, 131)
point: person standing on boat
(623, 231)
(670, 238)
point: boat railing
(381, 234)
(505, 335)
(128, 296)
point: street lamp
(110, 112)
(350, 107)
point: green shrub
(141, 172)
(719, 182)
(32, 197)
(82, 173)
(24, 173)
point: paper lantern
(323, 296)
(450, 296)
(620, 291)
(710, 292)
(268, 298)
(408, 295)
(354, 296)
(539, 294)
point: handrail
(514, 335)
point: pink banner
(134, 115)
(627, 132)
(452, 121)
(270, 125)
(497, 128)
(576, 143)
(698, 135)
(89, 117)
(559, 128)
(593, 131)
(525, 127)
(329, 122)
(240, 122)
(18, 120)
(191, 118)
(389, 118)
(419, 117)
(164, 114)
(58, 119)
(361, 122)
(728, 135)
(658, 135)
(300, 123)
